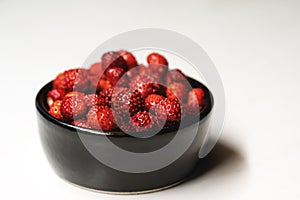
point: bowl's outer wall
(73, 162)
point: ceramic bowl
(73, 162)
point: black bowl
(72, 161)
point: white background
(254, 44)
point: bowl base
(126, 193)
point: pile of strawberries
(119, 93)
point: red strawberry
(113, 59)
(143, 70)
(153, 100)
(74, 94)
(92, 100)
(123, 82)
(146, 122)
(73, 79)
(105, 84)
(136, 102)
(195, 101)
(101, 117)
(60, 82)
(96, 69)
(114, 74)
(105, 96)
(155, 58)
(127, 102)
(139, 70)
(159, 69)
(98, 83)
(175, 75)
(142, 121)
(129, 58)
(177, 91)
(199, 94)
(73, 107)
(92, 117)
(54, 109)
(94, 83)
(55, 94)
(145, 84)
(133, 72)
(76, 79)
(81, 123)
(169, 108)
(125, 126)
(154, 71)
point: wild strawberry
(145, 84)
(169, 108)
(105, 84)
(92, 100)
(73, 107)
(96, 69)
(81, 123)
(113, 59)
(142, 121)
(98, 83)
(125, 125)
(54, 109)
(159, 69)
(73, 79)
(154, 71)
(76, 79)
(139, 70)
(155, 58)
(129, 58)
(92, 117)
(55, 94)
(199, 94)
(60, 82)
(175, 75)
(153, 100)
(177, 90)
(94, 83)
(195, 101)
(136, 102)
(101, 117)
(74, 94)
(123, 82)
(105, 97)
(132, 72)
(127, 102)
(143, 70)
(114, 74)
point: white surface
(255, 46)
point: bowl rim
(41, 108)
